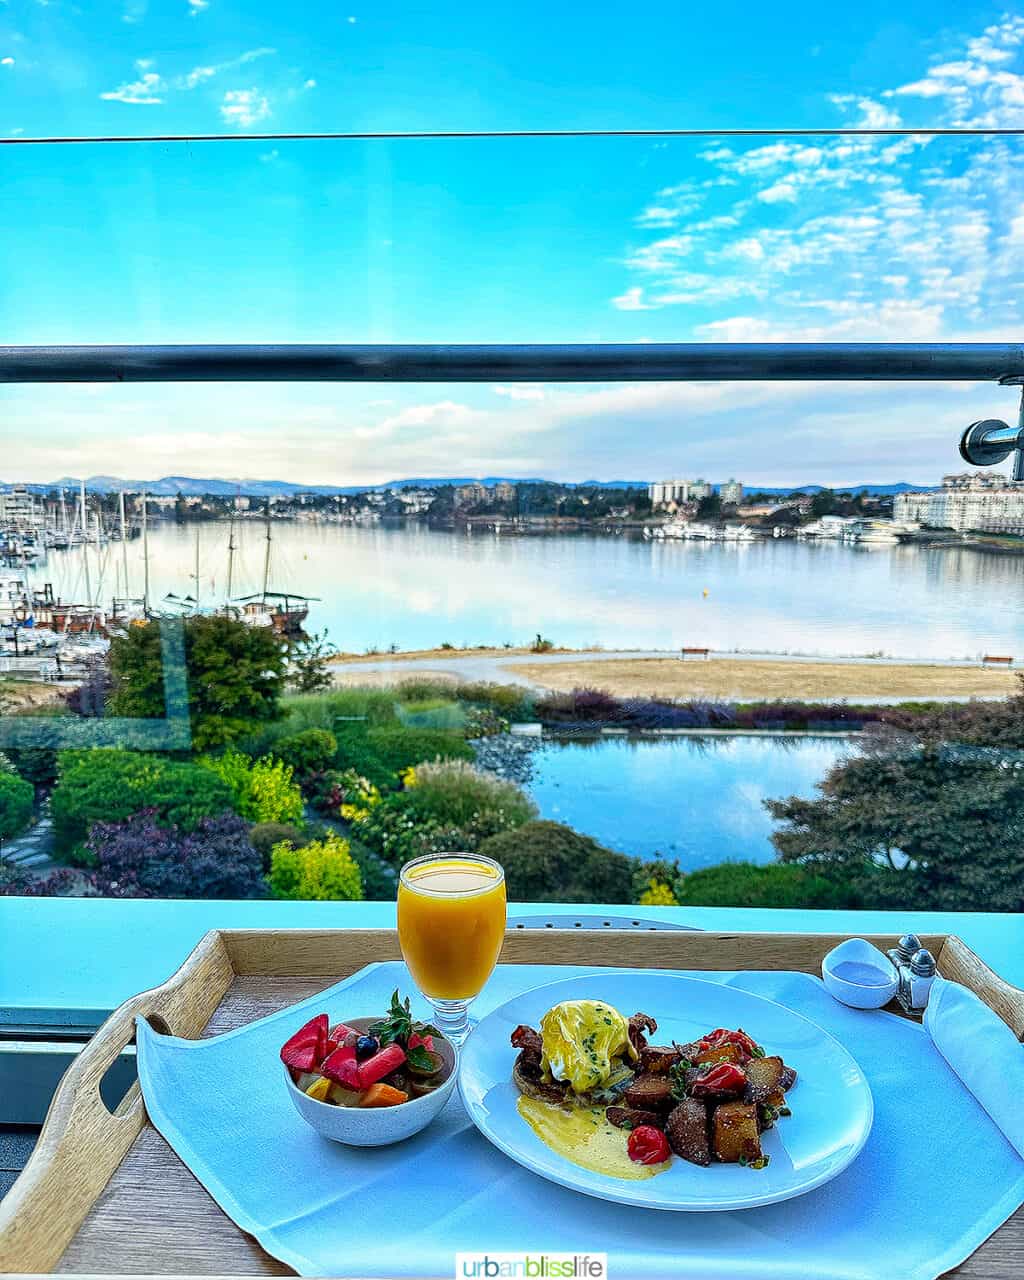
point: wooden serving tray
(103, 1194)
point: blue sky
(560, 240)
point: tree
(931, 826)
(235, 676)
(709, 507)
(16, 800)
(823, 503)
(308, 663)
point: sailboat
(285, 611)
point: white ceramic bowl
(855, 994)
(375, 1126)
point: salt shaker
(916, 980)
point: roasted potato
(764, 1078)
(630, 1117)
(724, 1053)
(649, 1093)
(658, 1059)
(735, 1133)
(687, 1131)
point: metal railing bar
(619, 362)
(402, 135)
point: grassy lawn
(744, 681)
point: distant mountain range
(171, 486)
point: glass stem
(451, 1017)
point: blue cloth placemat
(936, 1178)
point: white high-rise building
(731, 493)
(665, 491)
(19, 508)
(986, 501)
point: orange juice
(451, 922)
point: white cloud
(197, 6)
(244, 107)
(150, 88)
(778, 192)
(632, 300)
(7, 61)
(145, 92)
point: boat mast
(266, 559)
(231, 553)
(85, 543)
(196, 574)
(124, 541)
(145, 554)
(64, 515)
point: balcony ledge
(70, 961)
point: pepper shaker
(904, 950)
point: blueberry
(366, 1047)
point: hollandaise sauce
(585, 1137)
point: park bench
(694, 651)
(993, 659)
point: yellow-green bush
(321, 871)
(263, 789)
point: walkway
(32, 851)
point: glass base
(451, 1017)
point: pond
(697, 799)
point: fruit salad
(390, 1062)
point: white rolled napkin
(983, 1052)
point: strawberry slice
(415, 1040)
(340, 1031)
(380, 1065)
(342, 1067)
(305, 1050)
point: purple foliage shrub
(139, 859)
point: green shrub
(549, 862)
(264, 835)
(263, 790)
(37, 765)
(446, 807)
(455, 793)
(508, 700)
(108, 785)
(321, 871)
(16, 799)
(357, 755)
(399, 747)
(307, 752)
(747, 884)
(432, 713)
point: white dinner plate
(831, 1101)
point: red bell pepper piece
(380, 1065)
(305, 1049)
(342, 1067)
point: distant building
(664, 492)
(731, 493)
(504, 492)
(18, 507)
(469, 495)
(986, 501)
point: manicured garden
(324, 793)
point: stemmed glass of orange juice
(451, 923)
